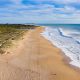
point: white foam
(68, 45)
(71, 33)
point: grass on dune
(10, 32)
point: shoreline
(59, 42)
(66, 59)
(36, 58)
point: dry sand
(35, 58)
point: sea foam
(69, 45)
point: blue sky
(39, 11)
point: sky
(40, 11)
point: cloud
(39, 11)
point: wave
(67, 43)
(70, 34)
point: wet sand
(35, 58)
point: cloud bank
(40, 11)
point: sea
(66, 37)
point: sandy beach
(35, 58)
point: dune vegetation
(10, 32)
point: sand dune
(35, 58)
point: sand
(35, 58)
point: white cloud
(59, 1)
(41, 12)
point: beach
(35, 58)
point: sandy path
(35, 58)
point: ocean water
(67, 38)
